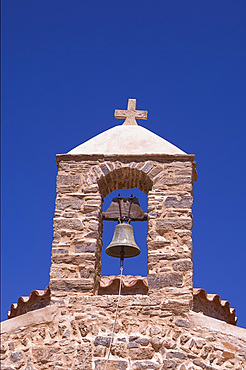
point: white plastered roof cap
(128, 138)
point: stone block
(169, 364)
(90, 207)
(86, 247)
(156, 343)
(91, 189)
(153, 313)
(104, 168)
(184, 338)
(73, 259)
(72, 203)
(119, 349)
(93, 215)
(184, 202)
(143, 341)
(60, 250)
(228, 355)
(83, 328)
(83, 360)
(177, 164)
(121, 339)
(132, 345)
(3, 349)
(155, 171)
(176, 354)
(112, 365)
(72, 285)
(102, 341)
(145, 365)
(199, 343)
(69, 349)
(174, 302)
(91, 234)
(173, 180)
(132, 338)
(202, 365)
(96, 172)
(147, 167)
(145, 353)
(172, 224)
(184, 172)
(169, 343)
(171, 279)
(65, 223)
(191, 344)
(99, 351)
(70, 180)
(89, 179)
(157, 257)
(184, 265)
(158, 244)
(86, 271)
(154, 330)
(56, 237)
(16, 356)
(182, 323)
(40, 354)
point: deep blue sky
(66, 65)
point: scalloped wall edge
(128, 282)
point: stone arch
(124, 178)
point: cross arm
(137, 114)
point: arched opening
(125, 180)
(135, 265)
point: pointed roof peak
(128, 138)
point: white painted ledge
(200, 320)
(32, 318)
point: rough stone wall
(78, 335)
(153, 331)
(83, 182)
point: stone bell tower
(125, 156)
(158, 322)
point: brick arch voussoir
(124, 178)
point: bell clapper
(122, 256)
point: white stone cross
(131, 114)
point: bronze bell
(123, 244)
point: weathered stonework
(82, 184)
(209, 304)
(77, 335)
(155, 327)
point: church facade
(161, 322)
